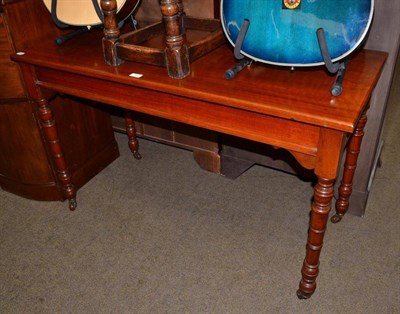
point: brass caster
(336, 218)
(72, 204)
(302, 295)
(137, 155)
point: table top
(302, 95)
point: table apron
(299, 138)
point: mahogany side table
(293, 110)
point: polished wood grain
(296, 95)
(293, 110)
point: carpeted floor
(161, 235)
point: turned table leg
(323, 194)
(47, 123)
(346, 185)
(131, 133)
(48, 126)
(326, 165)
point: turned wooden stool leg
(176, 50)
(181, 14)
(346, 185)
(111, 32)
(323, 194)
(131, 132)
(47, 123)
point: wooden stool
(182, 39)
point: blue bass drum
(283, 32)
